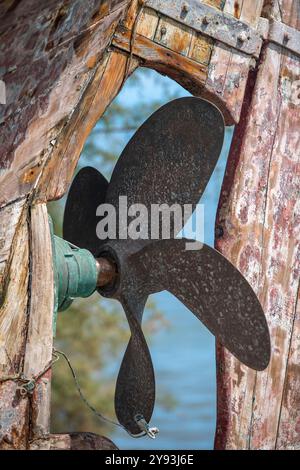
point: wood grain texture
(14, 411)
(106, 84)
(58, 50)
(147, 23)
(228, 70)
(38, 351)
(289, 425)
(187, 72)
(174, 36)
(259, 215)
(68, 41)
(10, 217)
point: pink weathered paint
(259, 214)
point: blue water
(183, 354)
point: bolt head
(242, 37)
(185, 8)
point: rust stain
(180, 41)
(237, 9)
(104, 9)
(91, 62)
(31, 175)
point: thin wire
(20, 377)
(87, 403)
(142, 4)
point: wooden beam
(47, 82)
(14, 411)
(106, 84)
(204, 67)
(258, 213)
(39, 341)
(58, 73)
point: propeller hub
(107, 272)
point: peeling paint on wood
(10, 217)
(58, 55)
(174, 36)
(38, 351)
(13, 318)
(147, 23)
(73, 78)
(68, 43)
(106, 84)
(200, 49)
(259, 215)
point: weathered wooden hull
(63, 65)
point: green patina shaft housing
(75, 272)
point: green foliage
(94, 332)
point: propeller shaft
(107, 271)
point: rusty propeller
(169, 160)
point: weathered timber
(38, 352)
(61, 72)
(60, 49)
(14, 411)
(259, 216)
(203, 66)
(80, 441)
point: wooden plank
(281, 260)
(9, 220)
(13, 315)
(200, 49)
(258, 211)
(106, 84)
(233, 7)
(214, 3)
(173, 35)
(289, 425)
(57, 74)
(147, 23)
(228, 70)
(188, 73)
(250, 11)
(46, 82)
(38, 352)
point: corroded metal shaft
(107, 271)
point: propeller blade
(171, 156)
(135, 388)
(86, 193)
(214, 290)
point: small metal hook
(144, 426)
